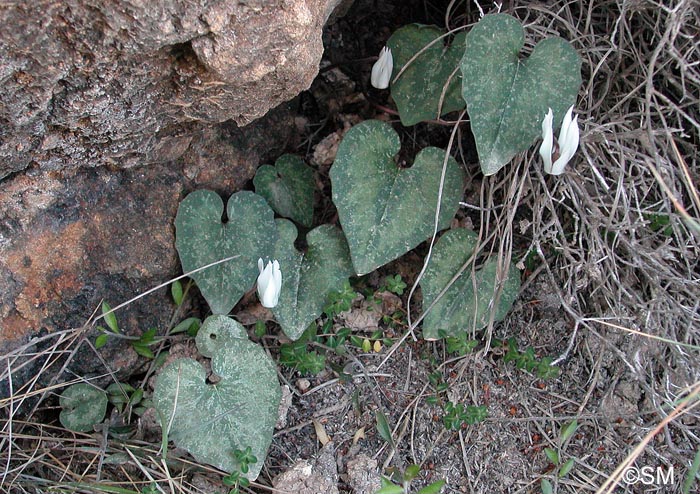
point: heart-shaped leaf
(418, 91)
(507, 97)
(288, 187)
(83, 407)
(308, 278)
(211, 421)
(202, 238)
(466, 305)
(216, 331)
(386, 211)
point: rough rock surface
(91, 82)
(112, 111)
(70, 238)
(311, 477)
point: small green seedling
(457, 415)
(460, 344)
(395, 284)
(237, 478)
(125, 397)
(400, 483)
(297, 356)
(527, 360)
(555, 456)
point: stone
(111, 112)
(126, 82)
(311, 477)
(71, 238)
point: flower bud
(381, 70)
(269, 283)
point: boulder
(90, 82)
(111, 112)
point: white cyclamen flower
(567, 142)
(269, 283)
(381, 70)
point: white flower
(269, 283)
(381, 70)
(567, 142)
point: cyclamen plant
(384, 211)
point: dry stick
(412, 326)
(147, 292)
(9, 428)
(614, 479)
(510, 216)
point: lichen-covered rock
(126, 82)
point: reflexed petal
(547, 141)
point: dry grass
(617, 236)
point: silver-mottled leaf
(83, 406)
(384, 210)
(418, 90)
(211, 421)
(466, 305)
(507, 97)
(202, 238)
(308, 278)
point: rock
(70, 238)
(363, 474)
(125, 82)
(305, 477)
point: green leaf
(390, 489)
(507, 97)
(546, 487)
(691, 474)
(176, 292)
(411, 472)
(110, 318)
(384, 429)
(202, 238)
(462, 308)
(418, 90)
(566, 468)
(83, 407)
(136, 397)
(211, 421)
(143, 350)
(185, 325)
(148, 336)
(308, 278)
(101, 340)
(567, 431)
(433, 488)
(384, 210)
(288, 188)
(552, 455)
